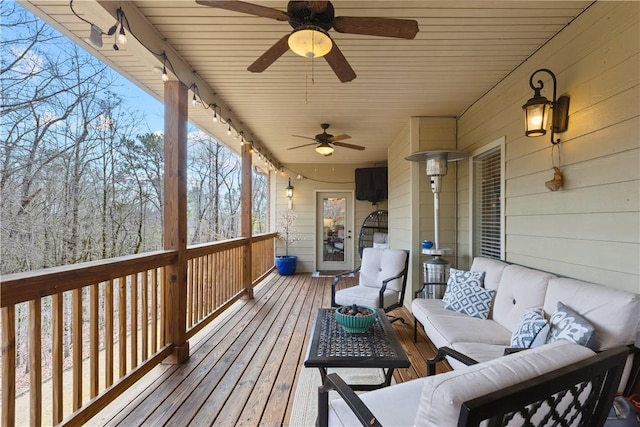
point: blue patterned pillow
(568, 325)
(532, 330)
(471, 300)
(461, 278)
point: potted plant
(286, 264)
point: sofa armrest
(442, 353)
(334, 382)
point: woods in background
(80, 178)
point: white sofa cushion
(443, 394)
(520, 289)
(480, 352)
(393, 406)
(381, 264)
(365, 295)
(616, 322)
(449, 329)
(492, 268)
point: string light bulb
(229, 130)
(194, 101)
(122, 36)
(165, 76)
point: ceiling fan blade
(244, 7)
(339, 137)
(345, 145)
(270, 56)
(300, 146)
(305, 137)
(339, 64)
(385, 27)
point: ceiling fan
(311, 21)
(326, 141)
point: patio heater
(436, 269)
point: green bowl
(356, 324)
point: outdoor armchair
(382, 279)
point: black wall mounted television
(371, 184)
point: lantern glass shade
(289, 190)
(310, 43)
(325, 149)
(536, 116)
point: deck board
(243, 367)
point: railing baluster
(9, 365)
(94, 340)
(202, 304)
(154, 311)
(76, 343)
(122, 326)
(35, 362)
(108, 333)
(134, 321)
(163, 304)
(57, 325)
(144, 316)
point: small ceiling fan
(326, 141)
(311, 21)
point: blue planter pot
(286, 265)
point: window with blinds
(487, 204)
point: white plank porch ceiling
(462, 50)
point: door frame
(350, 222)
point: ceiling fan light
(325, 149)
(310, 42)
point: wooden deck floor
(243, 368)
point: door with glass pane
(334, 231)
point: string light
(120, 37)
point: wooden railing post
(8, 366)
(245, 219)
(175, 217)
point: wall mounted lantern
(538, 109)
(289, 193)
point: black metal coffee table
(332, 347)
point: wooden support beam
(175, 218)
(246, 218)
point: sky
(140, 100)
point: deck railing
(81, 334)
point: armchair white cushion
(378, 265)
